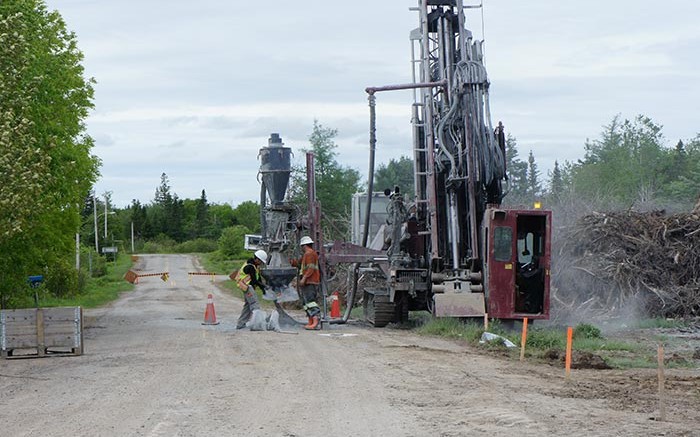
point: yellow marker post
(569, 340)
(523, 340)
(486, 321)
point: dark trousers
(308, 294)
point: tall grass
(452, 328)
(660, 323)
(586, 337)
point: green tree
(221, 216)
(684, 188)
(627, 164)
(167, 215)
(534, 187)
(517, 173)
(201, 218)
(335, 184)
(248, 214)
(46, 168)
(138, 219)
(395, 173)
(231, 242)
(556, 183)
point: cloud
(194, 89)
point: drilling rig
(452, 250)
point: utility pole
(94, 213)
(105, 234)
(132, 236)
(77, 251)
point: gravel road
(151, 368)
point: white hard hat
(306, 240)
(261, 255)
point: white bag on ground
(257, 321)
(273, 322)
(487, 336)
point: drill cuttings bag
(258, 321)
(273, 322)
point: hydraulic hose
(350, 301)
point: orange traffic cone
(209, 313)
(335, 306)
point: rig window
(502, 243)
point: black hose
(263, 222)
(350, 301)
(370, 176)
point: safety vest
(306, 266)
(243, 279)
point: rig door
(517, 263)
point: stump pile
(608, 259)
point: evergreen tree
(138, 218)
(556, 184)
(163, 195)
(201, 219)
(534, 187)
(517, 173)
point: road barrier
(211, 275)
(133, 277)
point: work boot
(314, 324)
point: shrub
(152, 247)
(199, 245)
(539, 338)
(99, 266)
(231, 242)
(61, 279)
(161, 244)
(584, 330)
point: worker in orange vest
(247, 278)
(309, 281)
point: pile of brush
(606, 260)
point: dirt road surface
(151, 368)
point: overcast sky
(193, 89)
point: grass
(539, 340)
(452, 328)
(660, 323)
(98, 291)
(213, 262)
(648, 361)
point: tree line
(629, 165)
